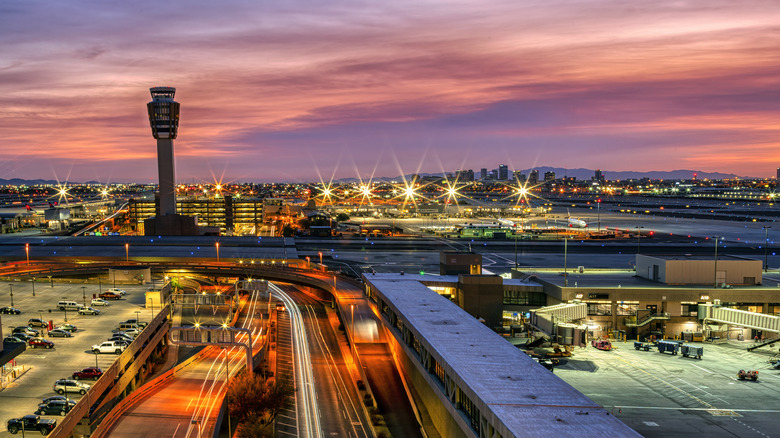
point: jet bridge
(558, 322)
(759, 321)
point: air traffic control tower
(164, 120)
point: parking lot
(42, 367)
(665, 395)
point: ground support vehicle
(692, 351)
(775, 361)
(602, 344)
(643, 345)
(31, 422)
(747, 375)
(670, 346)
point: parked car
(89, 311)
(37, 322)
(69, 327)
(110, 296)
(23, 336)
(108, 347)
(132, 332)
(14, 339)
(10, 310)
(40, 342)
(59, 333)
(54, 407)
(58, 397)
(93, 373)
(26, 330)
(122, 337)
(31, 422)
(99, 302)
(116, 290)
(69, 386)
(140, 324)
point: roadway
(340, 405)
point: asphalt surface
(663, 395)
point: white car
(130, 332)
(108, 347)
(117, 291)
(99, 302)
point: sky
(303, 90)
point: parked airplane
(575, 222)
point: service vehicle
(602, 344)
(692, 351)
(93, 373)
(37, 322)
(69, 386)
(99, 302)
(108, 347)
(670, 346)
(31, 422)
(89, 311)
(10, 311)
(40, 342)
(643, 345)
(60, 333)
(747, 375)
(54, 407)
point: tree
(255, 403)
(341, 217)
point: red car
(40, 342)
(88, 373)
(110, 296)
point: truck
(31, 422)
(643, 345)
(601, 344)
(670, 346)
(692, 351)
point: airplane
(575, 222)
(507, 222)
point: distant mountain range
(580, 174)
(586, 174)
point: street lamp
(51, 281)
(565, 260)
(84, 294)
(127, 252)
(716, 260)
(320, 257)
(638, 236)
(96, 359)
(27, 250)
(352, 309)
(33, 285)
(766, 248)
(217, 244)
(308, 262)
(12, 294)
(598, 214)
(100, 286)
(137, 317)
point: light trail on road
(303, 366)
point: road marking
(672, 408)
(703, 369)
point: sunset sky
(298, 90)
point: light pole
(766, 248)
(127, 252)
(12, 294)
(638, 236)
(217, 251)
(51, 281)
(84, 294)
(27, 250)
(65, 309)
(320, 257)
(565, 260)
(96, 359)
(308, 262)
(227, 387)
(716, 261)
(352, 310)
(137, 317)
(598, 214)
(33, 285)
(100, 286)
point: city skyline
(345, 89)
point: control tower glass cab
(163, 112)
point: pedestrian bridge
(724, 315)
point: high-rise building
(503, 173)
(533, 178)
(549, 176)
(778, 173)
(164, 120)
(483, 173)
(598, 176)
(464, 175)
